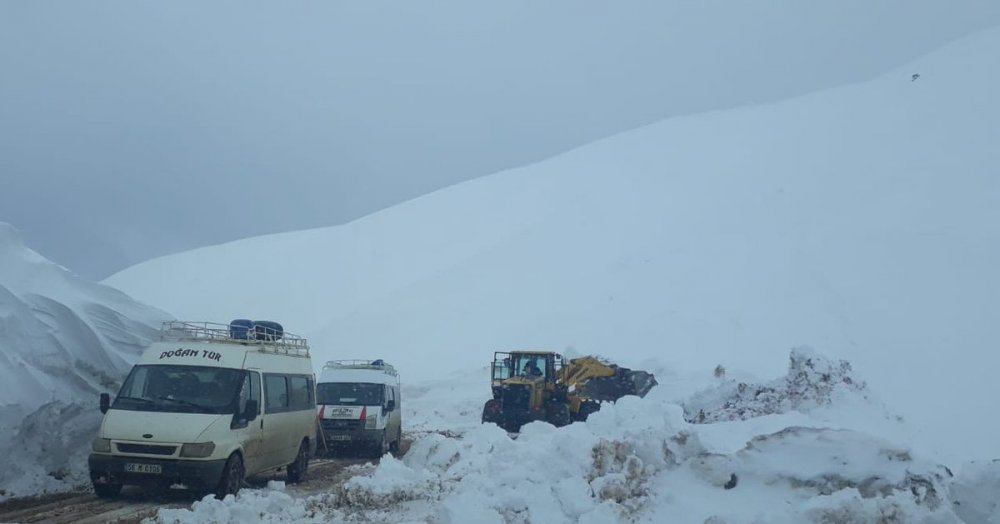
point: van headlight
(200, 450)
(101, 445)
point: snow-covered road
(134, 505)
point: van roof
(375, 371)
(375, 365)
(281, 343)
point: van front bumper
(110, 469)
(352, 437)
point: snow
(638, 461)
(63, 340)
(860, 220)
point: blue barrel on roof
(267, 330)
(239, 329)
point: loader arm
(596, 380)
(580, 370)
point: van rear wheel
(297, 470)
(232, 477)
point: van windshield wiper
(187, 403)
(139, 399)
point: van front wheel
(380, 446)
(394, 445)
(232, 477)
(297, 470)
(107, 491)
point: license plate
(339, 437)
(154, 469)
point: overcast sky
(131, 129)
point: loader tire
(586, 409)
(492, 412)
(557, 414)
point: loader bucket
(624, 382)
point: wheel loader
(537, 385)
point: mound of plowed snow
(811, 381)
(640, 461)
(63, 340)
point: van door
(251, 432)
(290, 416)
(392, 425)
(276, 424)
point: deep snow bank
(63, 340)
(811, 381)
(641, 461)
(636, 461)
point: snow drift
(810, 382)
(860, 220)
(638, 461)
(63, 340)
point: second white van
(359, 406)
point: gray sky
(131, 129)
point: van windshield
(350, 394)
(180, 389)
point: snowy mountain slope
(63, 340)
(860, 220)
(376, 103)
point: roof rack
(377, 365)
(284, 342)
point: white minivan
(359, 406)
(206, 406)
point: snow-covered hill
(862, 221)
(63, 340)
(336, 109)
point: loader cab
(525, 365)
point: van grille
(340, 424)
(146, 449)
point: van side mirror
(105, 402)
(250, 410)
(390, 404)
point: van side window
(276, 393)
(249, 390)
(255, 388)
(298, 389)
(244, 394)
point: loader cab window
(531, 366)
(502, 369)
